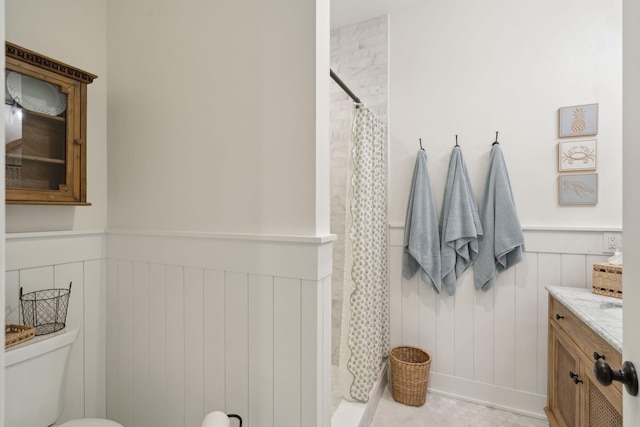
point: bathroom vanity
(583, 327)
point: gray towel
(460, 224)
(421, 238)
(502, 245)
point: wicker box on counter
(607, 280)
(15, 334)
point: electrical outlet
(611, 242)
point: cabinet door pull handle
(597, 356)
(627, 375)
(558, 317)
(576, 379)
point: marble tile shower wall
(360, 57)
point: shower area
(360, 57)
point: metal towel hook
(457, 141)
(496, 141)
(420, 139)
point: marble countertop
(600, 313)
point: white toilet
(34, 378)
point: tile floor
(441, 411)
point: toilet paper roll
(216, 419)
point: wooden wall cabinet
(45, 129)
(575, 398)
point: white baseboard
(507, 399)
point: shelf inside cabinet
(21, 111)
(44, 116)
(36, 158)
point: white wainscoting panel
(491, 347)
(187, 335)
(141, 345)
(261, 340)
(194, 345)
(214, 337)
(46, 260)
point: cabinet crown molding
(34, 58)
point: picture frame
(578, 120)
(578, 189)
(577, 155)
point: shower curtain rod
(344, 87)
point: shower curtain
(364, 344)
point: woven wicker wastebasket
(409, 375)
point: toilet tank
(35, 372)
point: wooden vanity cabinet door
(584, 337)
(575, 398)
(564, 394)
(602, 406)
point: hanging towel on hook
(502, 244)
(460, 224)
(421, 237)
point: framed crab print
(578, 120)
(577, 155)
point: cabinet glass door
(35, 115)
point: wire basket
(46, 310)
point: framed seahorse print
(578, 189)
(577, 155)
(578, 120)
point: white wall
(74, 32)
(213, 116)
(217, 120)
(474, 68)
